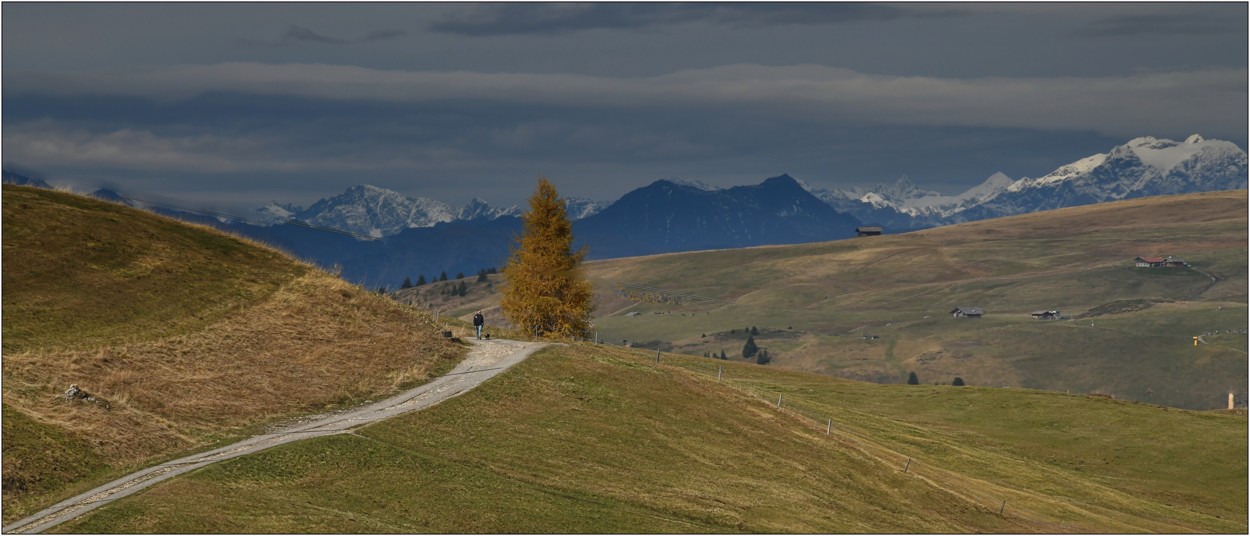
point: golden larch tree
(544, 288)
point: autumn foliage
(545, 290)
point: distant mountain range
(1142, 167)
(393, 236)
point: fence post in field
(1231, 401)
(1001, 508)
(908, 466)
(828, 426)
(720, 371)
(657, 356)
(778, 400)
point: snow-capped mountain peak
(477, 209)
(1141, 167)
(275, 213)
(370, 210)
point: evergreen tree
(407, 283)
(459, 275)
(754, 331)
(462, 289)
(481, 275)
(912, 379)
(958, 381)
(420, 280)
(763, 358)
(442, 276)
(749, 349)
(722, 355)
(545, 288)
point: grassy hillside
(878, 308)
(599, 439)
(187, 336)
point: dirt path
(485, 360)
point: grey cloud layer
(521, 18)
(1118, 105)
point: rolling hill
(186, 336)
(600, 439)
(878, 308)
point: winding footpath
(485, 360)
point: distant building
(869, 230)
(1173, 262)
(1160, 262)
(967, 312)
(1045, 315)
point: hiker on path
(478, 322)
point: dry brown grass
(316, 342)
(190, 336)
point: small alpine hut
(967, 312)
(1045, 315)
(869, 230)
(1148, 262)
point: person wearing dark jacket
(478, 322)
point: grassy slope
(192, 337)
(584, 439)
(817, 301)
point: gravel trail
(485, 360)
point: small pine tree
(722, 355)
(420, 280)
(749, 349)
(959, 382)
(442, 276)
(754, 331)
(912, 379)
(481, 276)
(407, 283)
(462, 289)
(459, 275)
(762, 358)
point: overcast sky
(230, 105)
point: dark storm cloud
(150, 95)
(1156, 25)
(295, 34)
(523, 18)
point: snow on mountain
(275, 213)
(1141, 167)
(377, 212)
(477, 209)
(1145, 166)
(580, 207)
